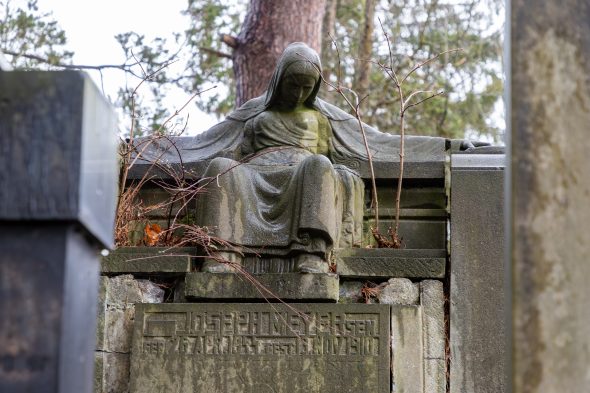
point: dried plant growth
(352, 99)
(370, 291)
(130, 208)
(354, 104)
(405, 103)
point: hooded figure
(288, 201)
(294, 195)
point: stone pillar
(550, 195)
(58, 177)
(477, 323)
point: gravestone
(261, 348)
(549, 195)
(58, 182)
(478, 328)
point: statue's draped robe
(286, 198)
(289, 199)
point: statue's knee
(219, 165)
(318, 162)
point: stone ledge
(387, 263)
(152, 260)
(285, 286)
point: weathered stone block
(407, 350)
(386, 263)
(418, 232)
(279, 348)
(433, 323)
(179, 295)
(59, 155)
(351, 292)
(433, 310)
(116, 310)
(435, 376)
(155, 260)
(285, 286)
(477, 316)
(400, 291)
(111, 372)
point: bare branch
(229, 40)
(215, 52)
(420, 65)
(177, 111)
(123, 67)
(426, 99)
(414, 94)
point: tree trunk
(269, 26)
(328, 34)
(363, 68)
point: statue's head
(296, 79)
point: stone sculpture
(288, 197)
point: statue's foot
(309, 263)
(228, 264)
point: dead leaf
(152, 234)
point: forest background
(223, 41)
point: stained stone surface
(401, 291)
(117, 298)
(161, 260)
(433, 325)
(58, 150)
(477, 319)
(286, 286)
(407, 349)
(266, 348)
(550, 194)
(385, 263)
(111, 372)
(351, 292)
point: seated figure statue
(284, 185)
(287, 199)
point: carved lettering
(285, 333)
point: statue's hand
(465, 144)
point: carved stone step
(387, 263)
(148, 260)
(272, 287)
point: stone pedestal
(478, 329)
(271, 287)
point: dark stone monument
(58, 173)
(261, 348)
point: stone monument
(284, 166)
(58, 184)
(284, 178)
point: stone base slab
(284, 286)
(386, 263)
(148, 260)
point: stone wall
(413, 282)
(417, 335)
(117, 298)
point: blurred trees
(30, 38)
(218, 44)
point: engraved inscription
(261, 333)
(257, 348)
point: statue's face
(295, 89)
